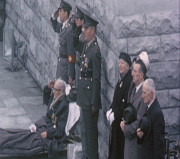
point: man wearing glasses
(47, 134)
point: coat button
(81, 69)
(79, 78)
(88, 87)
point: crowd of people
(135, 117)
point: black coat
(23, 142)
(153, 145)
(116, 149)
(60, 110)
(89, 84)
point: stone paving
(20, 97)
(21, 101)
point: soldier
(78, 40)
(89, 86)
(67, 55)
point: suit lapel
(136, 95)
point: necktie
(134, 92)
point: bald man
(152, 141)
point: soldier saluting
(78, 40)
(67, 55)
(89, 86)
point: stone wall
(2, 18)
(130, 26)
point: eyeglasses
(55, 89)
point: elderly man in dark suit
(115, 114)
(89, 87)
(67, 55)
(139, 70)
(48, 133)
(152, 139)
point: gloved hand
(108, 113)
(111, 118)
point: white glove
(32, 128)
(108, 113)
(111, 118)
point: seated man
(48, 133)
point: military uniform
(67, 55)
(78, 41)
(89, 87)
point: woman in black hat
(114, 115)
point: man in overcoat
(140, 67)
(89, 87)
(67, 55)
(119, 103)
(152, 139)
(48, 133)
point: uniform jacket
(89, 84)
(66, 47)
(118, 105)
(153, 144)
(131, 149)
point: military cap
(125, 57)
(90, 20)
(65, 5)
(79, 12)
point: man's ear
(151, 93)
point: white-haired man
(153, 140)
(47, 134)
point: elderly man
(47, 134)
(89, 87)
(115, 114)
(140, 67)
(67, 55)
(153, 143)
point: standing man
(78, 40)
(89, 87)
(139, 70)
(152, 141)
(115, 114)
(67, 55)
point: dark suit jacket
(153, 145)
(116, 149)
(89, 88)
